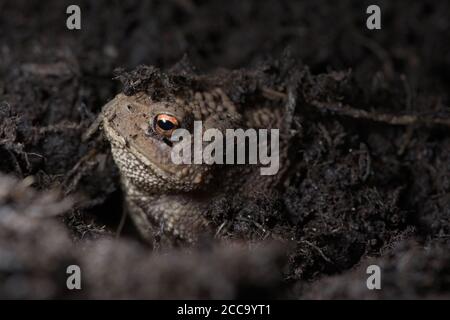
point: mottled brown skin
(163, 196)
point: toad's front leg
(177, 216)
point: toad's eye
(165, 124)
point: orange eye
(165, 124)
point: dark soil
(370, 147)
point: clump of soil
(410, 271)
(369, 178)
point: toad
(173, 200)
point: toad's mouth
(120, 142)
(171, 176)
